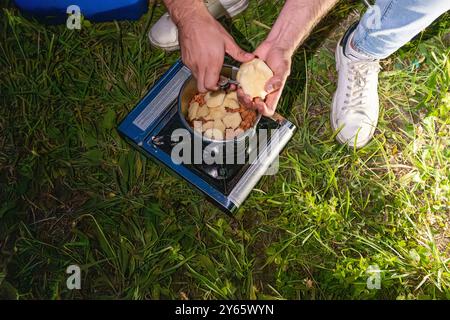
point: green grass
(73, 192)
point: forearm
(182, 10)
(296, 21)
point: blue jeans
(390, 24)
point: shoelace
(360, 72)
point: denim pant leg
(390, 24)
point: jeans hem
(358, 44)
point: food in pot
(214, 99)
(231, 100)
(218, 115)
(232, 120)
(253, 76)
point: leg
(390, 24)
(384, 29)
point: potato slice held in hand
(232, 120)
(253, 76)
(214, 99)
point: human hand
(279, 60)
(204, 42)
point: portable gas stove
(225, 185)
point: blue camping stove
(225, 185)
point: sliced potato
(232, 104)
(216, 113)
(192, 112)
(209, 133)
(218, 135)
(232, 120)
(207, 125)
(214, 99)
(253, 76)
(203, 111)
(218, 124)
(231, 100)
(232, 95)
(214, 134)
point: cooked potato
(231, 100)
(216, 113)
(203, 111)
(192, 112)
(226, 120)
(214, 99)
(232, 95)
(214, 134)
(208, 125)
(232, 120)
(218, 124)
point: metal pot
(188, 91)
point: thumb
(275, 83)
(236, 52)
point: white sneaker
(355, 103)
(164, 33)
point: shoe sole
(169, 48)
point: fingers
(245, 99)
(265, 107)
(260, 106)
(236, 52)
(212, 75)
(273, 87)
(271, 103)
(207, 78)
(200, 77)
(263, 50)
